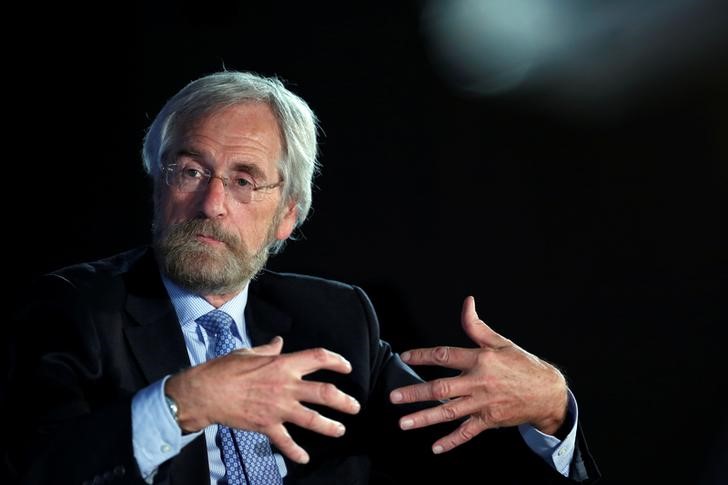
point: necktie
(247, 455)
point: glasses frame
(170, 169)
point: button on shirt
(157, 437)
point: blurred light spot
(490, 46)
(581, 48)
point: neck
(219, 300)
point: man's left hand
(500, 384)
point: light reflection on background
(574, 48)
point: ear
(287, 222)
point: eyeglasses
(192, 177)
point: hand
(500, 384)
(259, 389)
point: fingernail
(340, 430)
(437, 449)
(303, 458)
(356, 404)
(405, 356)
(406, 424)
(396, 396)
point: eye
(243, 180)
(191, 172)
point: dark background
(591, 228)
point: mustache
(190, 229)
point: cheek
(174, 209)
(252, 225)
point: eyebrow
(238, 166)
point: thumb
(476, 329)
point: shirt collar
(191, 306)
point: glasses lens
(240, 185)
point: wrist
(552, 424)
(179, 406)
(554, 420)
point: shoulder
(306, 290)
(102, 275)
(273, 279)
(109, 267)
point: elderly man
(187, 362)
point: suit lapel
(157, 345)
(156, 342)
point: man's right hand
(260, 389)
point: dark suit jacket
(96, 333)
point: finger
(280, 438)
(313, 420)
(437, 390)
(449, 411)
(329, 395)
(273, 347)
(311, 360)
(478, 331)
(472, 427)
(444, 356)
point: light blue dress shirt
(156, 437)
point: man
(186, 363)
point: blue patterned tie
(258, 467)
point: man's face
(207, 240)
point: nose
(212, 203)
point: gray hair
(220, 90)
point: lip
(208, 239)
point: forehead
(247, 131)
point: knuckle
(465, 434)
(327, 392)
(290, 448)
(495, 414)
(449, 413)
(311, 418)
(442, 354)
(320, 354)
(286, 444)
(441, 389)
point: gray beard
(204, 269)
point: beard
(205, 269)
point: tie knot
(217, 322)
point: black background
(592, 232)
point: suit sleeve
(69, 423)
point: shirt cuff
(156, 436)
(555, 452)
